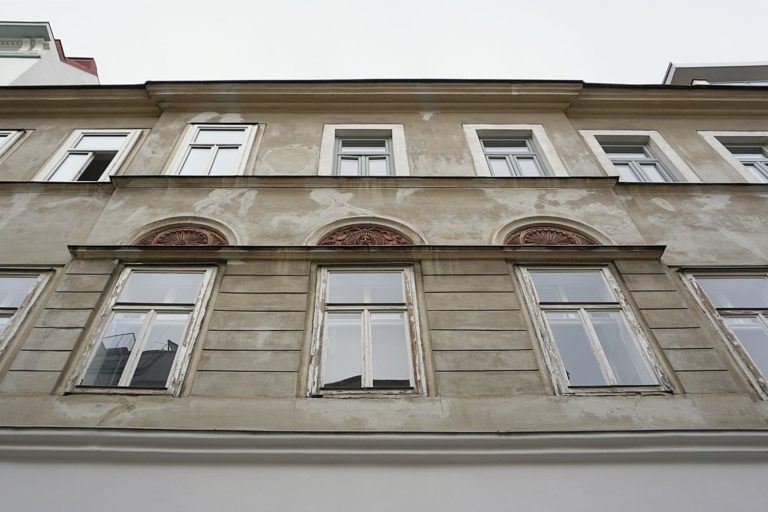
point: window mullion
(211, 159)
(133, 359)
(597, 348)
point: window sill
(619, 391)
(85, 390)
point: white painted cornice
(95, 445)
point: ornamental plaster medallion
(547, 235)
(186, 235)
(365, 235)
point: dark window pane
(165, 336)
(114, 349)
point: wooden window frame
(50, 168)
(186, 144)
(551, 352)
(409, 307)
(18, 314)
(184, 352)
(718, 315)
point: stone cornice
(122, 100)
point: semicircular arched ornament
(184, 236)
(546, 234)
(365, 235)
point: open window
(146, 335)
(366, 340)
(90, 155)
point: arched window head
(547, 234)
(365, 235)
(185, 235)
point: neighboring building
(384, 295)
(30, 55)
(739, 74)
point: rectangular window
(90, 155)
(511, 156)
(739, 305)
(754, 158)
(214, 150)
(8, 138)
(364, 156)
(17, 293)
(636, 163)
(591, 339)
(366, 339)
(147, 335)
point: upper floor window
(739, 304)
(149, 328)
(638, 156)
(17, 292)
(754, 157)
(512, 151)
(90, 155)
(364, 156)
(8, 138)
(376, 150)
(365, 337)
(636, 162)
(511, 156)
(214, 150)
(591, 339)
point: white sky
(617, 41)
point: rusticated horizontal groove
(477, 349)
(518, 253)
(147, 445)
(20, 370)
(218, 370)
(245, 349)
(522, 370)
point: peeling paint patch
(663, 204)
(426, 116)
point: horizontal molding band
(108, 445)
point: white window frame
(21, 312)
(12, 138)
(363, 158)
(718, 140)
(332, 132)
(183, 353)
(658, 147)
(758, 381)
(69, 147)
(542, 146)
(551, 353)
(410, 308)
(190, 133)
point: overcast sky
(616, 41)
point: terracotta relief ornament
(365, 235)
(547, 235)
(184, 235)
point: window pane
(101, 142)
(652, 173)
(343, 351)
(626, 151)
(573, 345)
(225, 162)
(753, 337)
(4, 138)
(377, 167)
(165, 335)
(71, 166)
(391, 367)
(529, 167)
(365, 147)
(349, 167)
(113, 350)
(747, 152)
(365, 288)
(505, 146)
(580, 286)
(196, 163)
(500, 166)
(13, 289)
(220, 136)
(162, 288)
(625, 173)
(757, 172)
(621, 350)
(736, 292)
(4, 321)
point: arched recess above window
(365, 234)
(184, 236)
(548, 234)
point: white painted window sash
(190, 134)
(11, 138)
(18, 314)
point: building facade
(377, 294)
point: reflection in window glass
(753, 335)
(343, 351)
(391, 365)
(365, 287)
(114, 349)
(573, 344)
(101, 142)
(736, 292)
(196, 163)
(159, 350)
(220, 136)
(159, 288)
(621, 351)
(13, 289)
(577, 286)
